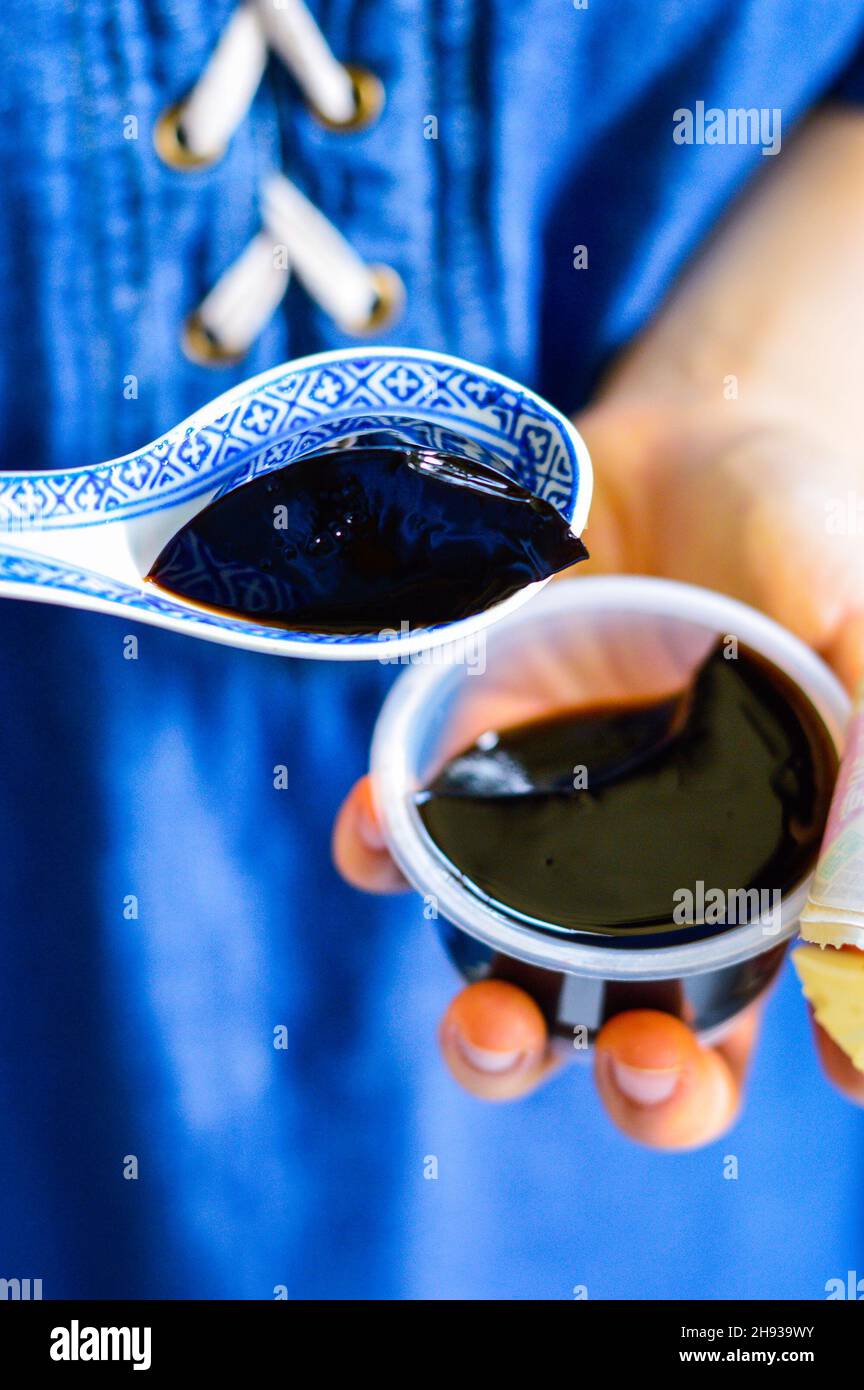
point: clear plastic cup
(581, 641)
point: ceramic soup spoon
(87, 537)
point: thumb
(737, 505)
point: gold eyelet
(170, 147)
(205, 350)
(389, 302)
(368, 101)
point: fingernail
(369, 830)
(484, 1059)
(644, 1086)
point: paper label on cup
(834, 914)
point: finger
(359, 850)
(786, 558)
(495, 1042)
(837, 1066)
(661, 1087)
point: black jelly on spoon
(381, 532)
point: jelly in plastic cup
(581, 641)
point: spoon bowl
(87, 537)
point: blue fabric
(304, 1167)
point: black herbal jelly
(375, 533)
(644, 824)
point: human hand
(693, 494)
(724, 442)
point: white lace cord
(359, 297)
(293, 34)
(227, 322)
(195, 132)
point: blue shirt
(152, 1037)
